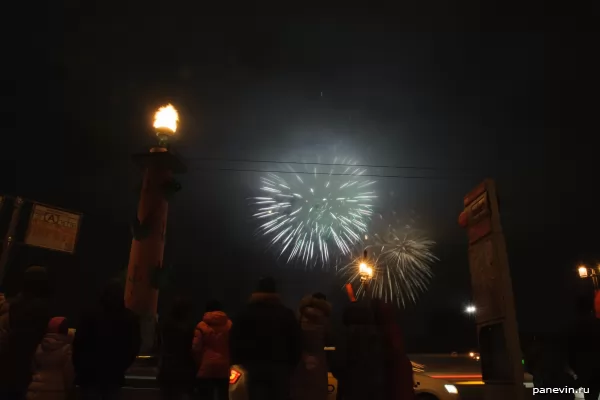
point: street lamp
(471, 309)
(586, 272)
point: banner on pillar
(52, 228)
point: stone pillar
(147, 247)
(497, 329)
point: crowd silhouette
(282, 351)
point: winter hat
(58, 325)
(267, 285)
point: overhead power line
(334, 174)
(247, 160)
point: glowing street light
(583, 272)
(586, 272)
(471, 309)
(165, 123)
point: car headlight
(451, 389)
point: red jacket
(211, 345)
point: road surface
(464, 372)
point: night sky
(400, 89)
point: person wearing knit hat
(266, 340)
(29, 315)
(53, 375)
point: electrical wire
(247, 160)
(333, 174)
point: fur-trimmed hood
(311, 302)
(262, 297)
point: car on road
(426, 387)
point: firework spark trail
(312, 216)
(401, 266)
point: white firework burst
(314, 216)
(401, 261)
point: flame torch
(165, 123)
(365, 271)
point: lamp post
(147, 246)
(591, 273)
(586, 272)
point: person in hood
(211, 352)
(398, 369)
(359, 355)
(22, 327)
(310, 379)
(53, 375)
(266, 340)
(176, 367)
(106, 343)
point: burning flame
(364, 269)
(166, 118)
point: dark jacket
(22, 329)
(176, 361)
(359, 356)
(106, 342)
(399, 381)
(310, 379)
(266, 333)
